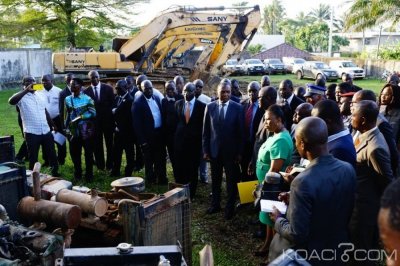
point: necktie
(221, 114)
(187, 112)
(357, 142)
(96, 95)
(249, 117)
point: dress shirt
(156, 93)
(204, 98)
(51, 99)
(33, 114)
(97, 88)
(220, 106)
(191, 104)
(155, 111)
(289, 100)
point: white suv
(347, 67)
(254, 66)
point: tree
(364, 14)
(62, 23)
(255, 49)
(314, 38)
(321, 13)
(273, 14)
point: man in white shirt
(35, 121)
(51, 97)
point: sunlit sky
(147, 11)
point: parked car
(275, 66)
(316, 69)
(292, 63)
(254, 66)
(347, 67)
(232, 67)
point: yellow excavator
(216, 34)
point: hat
(314, 89)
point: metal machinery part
(24, 246)
(56, 213)
(90, 204)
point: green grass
(370, 84)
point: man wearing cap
(314, 94)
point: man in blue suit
(223, 139)
(147, 123)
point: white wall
(16, 63)
(268, 41)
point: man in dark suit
(340, 142)
(187, 141)
(64, 94)
(169, 119)
(123, 129)
(103, 97)
(266, 98)
(383, 125)
(252, 117)
(374, 173)
(223, 145)
(289, 101)
(147, 123)
(320, 205)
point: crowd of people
(346, 140)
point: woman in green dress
(274, 156)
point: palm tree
(365, 14)
(273, 14)
(321, 13)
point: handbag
(85, 128)
(267, 191)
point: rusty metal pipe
(36, 181)
(92, 204)
(55, 213)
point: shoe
(115, 174)
(56, 174)
(212, 210)
(204, 182)
(163, 182)
(46, 164)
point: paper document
(246, 191)
(267, 206)
(59, 138)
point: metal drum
(129, 184)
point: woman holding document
(274, 156)
(80, 113)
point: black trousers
(104, 128)
(154, 159)
(232, 173)
(34, 142)
(75, 150)
(138, 155)
(23, 149)
(170, 139)
(246, 158)
(186, 168)
(61, 149)
(123, 142)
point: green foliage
(364, 14)
(59, 24)
(273, 15)
(315, 38)
(255, 49)
(390, 52)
